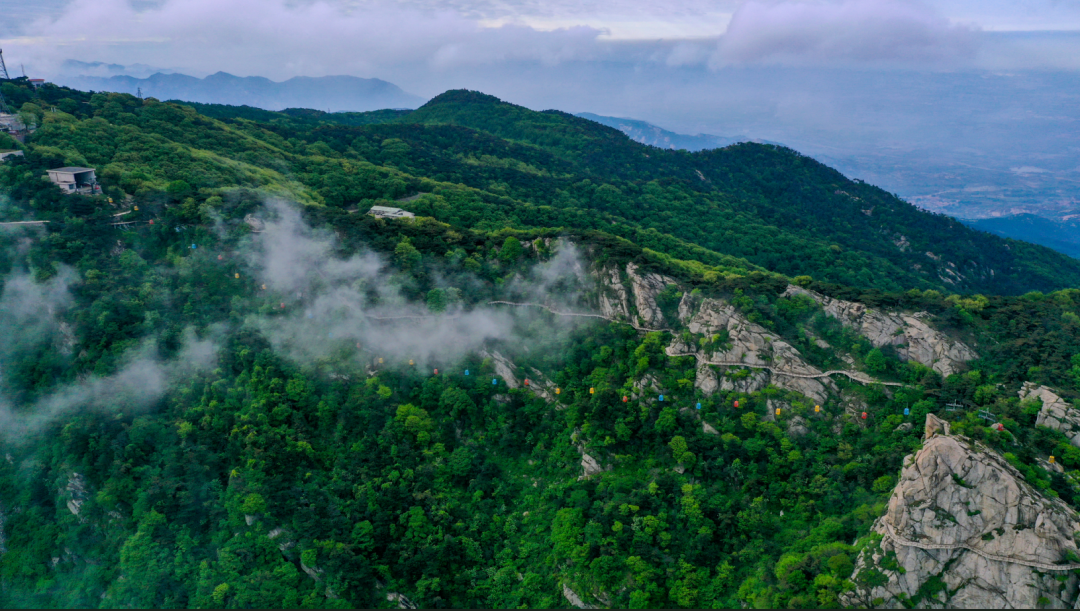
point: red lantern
(864, 415)
(625, 399)
(736, 403)
(526, 380)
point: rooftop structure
(75, 180)
(5, 154)
(386, 212)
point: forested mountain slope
(229, 387)
(765, 203)
(769, 205)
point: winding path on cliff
(954, 546)
(853, 375)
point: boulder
(962, 516)
(1056, 413)
(75, 493)
(574, 600)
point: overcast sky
(284, 38)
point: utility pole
(138, 93)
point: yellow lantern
(237, 276)
(558, 390)
(778, 411)
(1051, 460)
(817, 408)
(592, 391)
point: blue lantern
(699, 406)
(907, 411)
(192, 247)
(494, 381)
(466, 372)
(661, 397)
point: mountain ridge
(789, 191)
(337, 93)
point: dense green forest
(196, 415)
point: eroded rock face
(574, 600)
(614, 301)
(645, 287)
(1056, 413)
(589, 465)
(76, 491)
(969, 500)
(915, 339)
(751, 344)
(509, 372)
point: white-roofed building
(386, 212)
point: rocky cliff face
(514, 377)
(915, 339)
(964, 530)
(615, 299)
(1056, 413)
(751, 344)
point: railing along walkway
(854, 375)
(891, 534)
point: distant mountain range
(331, 93)
(647, 133)
(1062, 236)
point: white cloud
(280, 39)
(843, 31)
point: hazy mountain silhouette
(647, 133)
(333, 93)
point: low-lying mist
(313, 305)
(359, 301)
